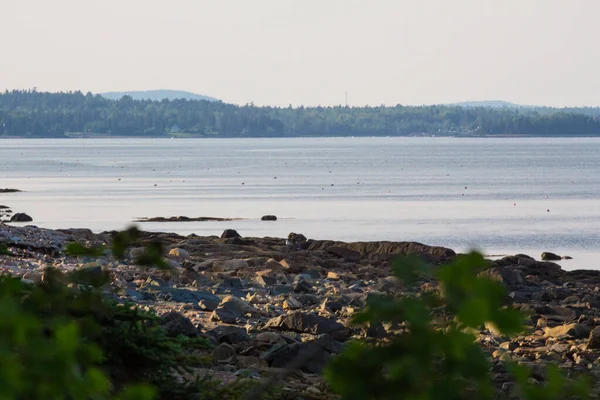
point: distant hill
(157, 95)
(490, 104)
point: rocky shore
(280, 308)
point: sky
(309, 52)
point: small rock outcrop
(268, 218)
(20, 217)
(230, 233)
(547, 256)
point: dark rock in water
(269, 218)
(567, 257)
(21, 217)
(3, 207)
(176, 324)
(230, 233)
(345, 253)
(547, 256)
(9, 190)
(308, 323)
(229, 334)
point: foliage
(66, 338)
(39, 114)
(45, 346)
(432, 360)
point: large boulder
(20, 217)
(232, 309)
(268, 218)
(229, 334)
(176, 324)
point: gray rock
(229, 334)
(223, 353)
(176, 324)
(186, 295)
(281, 355)
(308, 323)
(509, 276)
(594, 338)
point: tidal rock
(176, 324)
(547, 256)
(20, 217)
(230, 233)
(268, 218)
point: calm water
(502, 196)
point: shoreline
(262, 298)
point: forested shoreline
(72, 114)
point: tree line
(41, 114)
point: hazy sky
(309, 51)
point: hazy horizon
(309, 52)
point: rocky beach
(280, 308)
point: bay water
(498, 195)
